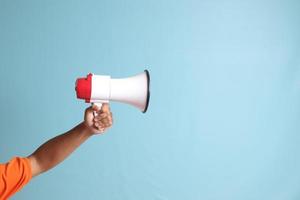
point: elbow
(36, 166)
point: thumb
(105, 107)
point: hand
(99, 123)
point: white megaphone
(98, 89)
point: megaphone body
(99, 89)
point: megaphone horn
(98, 89)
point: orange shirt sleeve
(13, 176)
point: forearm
(57, 149)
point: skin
(57, 149)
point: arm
(59, 148)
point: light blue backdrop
(223, 121)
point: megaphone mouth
(148, 90)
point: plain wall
(223, 120)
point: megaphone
(99, 89)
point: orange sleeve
(13, 176)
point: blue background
(223, 121)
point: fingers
(103, 116)
(100, 116)
(103, 120)
(99, 129)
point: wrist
(86, 130)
